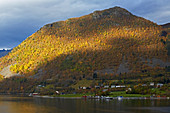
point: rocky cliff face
(116, 11)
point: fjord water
(13, 104)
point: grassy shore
(123, 93)
(112, 94)
(74, 95)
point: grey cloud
(21, 18)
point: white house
(97, 87)
(159, 85)
(120, 86)
(152, 84)
(144, 85)
(84, 88)
(123, 86)
(113, 86)
(106, 86)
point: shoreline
(104, 98)
(82, 97)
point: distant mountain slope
(109, 43)
(166, 25)
(4, 52)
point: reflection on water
(9, 104)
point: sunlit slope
(111, 41)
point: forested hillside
(108, 43)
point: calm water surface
(12, 104)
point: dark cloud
(20, 18)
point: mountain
(4, 52)
(108, 43)
(167, 25)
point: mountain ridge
(167, 25)
(71, 48)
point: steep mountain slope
(109, 42)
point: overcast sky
(21, 18)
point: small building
(159, 85)
(97, 87)
(123, 86)
(88, 87)
(120, 86)
(129, 89)
(106, 86)
(144, 85)
(83, 87)
(80, 87)
(152, 84)
(113, 86)
(104, 90)
(40, 86)
(35, 94)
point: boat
(120, 97)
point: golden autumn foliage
(77, 46)
(1, 77)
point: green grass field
(123, 93)
(74, 95)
